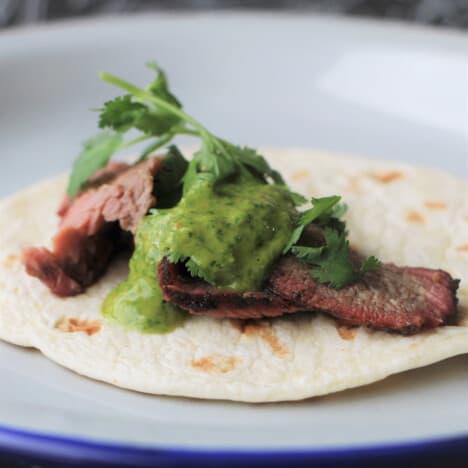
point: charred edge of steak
(200, 298)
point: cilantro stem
(147, 96)
(139, 139)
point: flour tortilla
(401, 213)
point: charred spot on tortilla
(73, 325)
(300, 174)
(267, 334)
(11, 260)
(354, 184)
(387, 177)
(414, 216)
(435, 205)
(216, 364)
(463, 248)
(346, 332)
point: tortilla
(401, 213)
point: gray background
(446, 13)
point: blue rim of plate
(28, 444)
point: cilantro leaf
(309, 254)
(297, 198)
(370, 264)
(121, 114)
(331, 263)
(255, 162)
(96, 153)
(213, 158)
(322, 208)
(160, 87)
(194, 269)
(168, 181)
(334, 266)
(158, 121)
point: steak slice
(402, 299)
(91, 228)
(200, 298)
(102, 176)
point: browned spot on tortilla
(268, 336)
(10, 260)
(346, 332)
(216, 364)
(415, 217)
(300, 174)
(436, 205)
(466, 217)
(387, 176)
(463, 291)
(463, 248)
(354, 184)
(237, 324)
(72, 325)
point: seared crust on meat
(198, 297)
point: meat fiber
(92, 229)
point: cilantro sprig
(157, 114)
(329, 257)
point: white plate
(384, 91)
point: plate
(384, 91)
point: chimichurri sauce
(229, 235)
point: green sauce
(229, 235)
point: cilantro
(322, 209)
(297, 198)
(330, 263)
(370, 264)
(157, 114)
(96, 154)
(254, 162)
(168, 181)
(334, 266)
(309, 254)
(121, 114)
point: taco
(217, 276)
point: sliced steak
(200, 298)
(402, 299)
(91, 230)
(102, 176)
